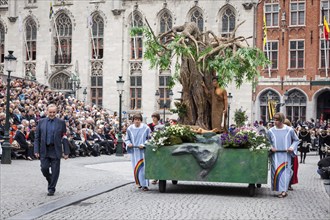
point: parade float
(177, 153)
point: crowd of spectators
(91, 130)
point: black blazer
(40, 138)
(20, 138)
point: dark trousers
(52, 177)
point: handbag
(304, 145)
(15, 145)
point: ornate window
(63, 39)
(325, 4)
(97, 37)
(297, 9)
(2, 43)
(271, 14)
(228, 22)
(166, 23)
(264, 98)
(136, 41)
(97, 83)
(31, 39)
(61, 82)
(323, 54)
(297, 49)
(296, 106)
(271, 51)
(197, 17)
(136, 91)
(164, 97)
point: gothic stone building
(75, 46)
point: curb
(63, 202)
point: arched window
(136, 41)
(63, 39)
(265, 97)
(197, 17)
(2, 43)
(296, 106)
(166, 23)
(97, 37)
(60, 82)
(31, 39)
(228, 22)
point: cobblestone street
(23, 190)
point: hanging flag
(325, 26)
(265, 31)
(271, 109)
(51, 11)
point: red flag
(326, 29)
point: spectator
(324, 168)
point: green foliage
(238, 67)
(181, 109)
(240, 117)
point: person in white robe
(284, 143)
(136, 136)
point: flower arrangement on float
(245, 137)
(171, 135)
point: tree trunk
(193, 95)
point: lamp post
(74, 80)
(85, 94)
(229, 98)
(10, 66)
(120, 89)
(164, 106)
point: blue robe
(282, 139)
(138, 136)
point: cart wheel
(174, 182)
(162, 186)
(252, 190)
(258, 185)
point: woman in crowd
(305, 140)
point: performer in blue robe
(136, 136)
(284, 143)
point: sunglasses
(276, 119)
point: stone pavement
(23, 188)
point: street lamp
(10, 66)
(120, 89)
(85, 94)
(229, 99)
(74, 80)
(164, 106)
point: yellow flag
(265, 31)
(271, 108)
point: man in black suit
(100, 139)
(48, 146)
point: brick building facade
(295, 44)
